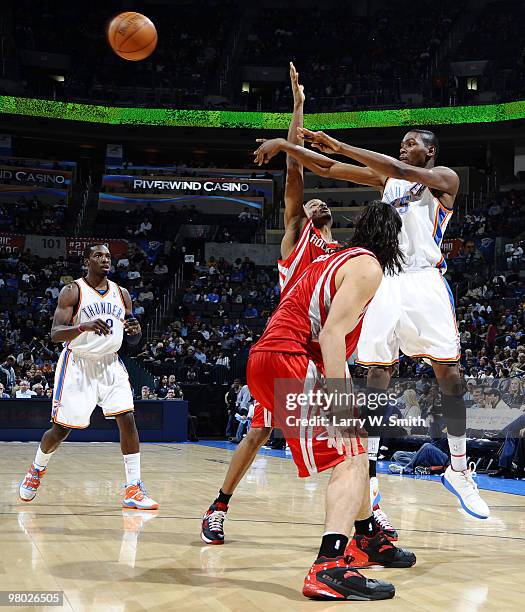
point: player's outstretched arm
(132, 327)
(440, 178)
(294, 187)
(357, 282)
(318, 163)
(61, 330)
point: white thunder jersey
(108, 306)
(424, 222)
(413, 312)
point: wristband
(80, 328)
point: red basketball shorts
(262, 417)
(273, 377)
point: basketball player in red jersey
(308, 339)
(307, 235)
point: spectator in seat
(189, 297)
(192, 376)
(160, 271)
(514, 397)
(190, 360)
(3, 394)
(250, 312)
(478, 398)
(493, 400)
(144, 228)
(213, 296)
(200, 355)
(144, 393)
(39, 390)
(146, 294)
(162, 388)
(223, 360)
(175, 387)
(24, 392)
(138, 309)
(49, 393)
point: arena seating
(392, 58)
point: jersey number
(109, 323)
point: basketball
(132, 36)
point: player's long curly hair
(378, 231)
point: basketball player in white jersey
(90, 321)
(413, 311)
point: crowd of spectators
(150, 224)
(391, 50)
(393, 58)
(182, 70)
(223, 309)
(33, 216)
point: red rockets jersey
(297, 322)
(310, 246)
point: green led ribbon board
(112, 115)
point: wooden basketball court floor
(75, 537)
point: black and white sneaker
(382, 520)
(212, 530)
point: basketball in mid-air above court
(132, 36)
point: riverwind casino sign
(210, 195)
(46, 184)
(185, 185)
(35, 176)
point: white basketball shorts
(412, 312)
(82, 383)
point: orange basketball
(132, 36)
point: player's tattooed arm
(440, 178)
(62, 329)
(132, 327)
(318, 163)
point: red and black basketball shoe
(212, 529)
(338, 579)
(378, 551)
(382, 521)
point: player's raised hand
(267, 149)
(297, 90)
(131, 326)
(320, 141)
(99, 326)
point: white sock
(132, 467)
(41, 459)
(458, 452)
(373, 447)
